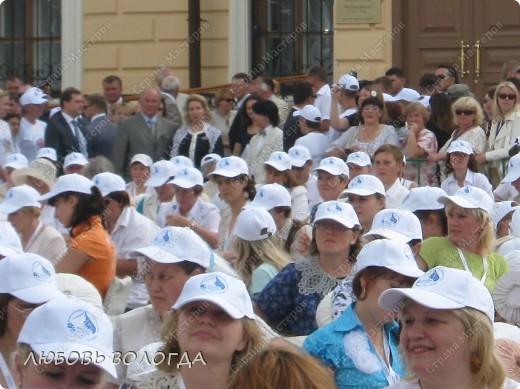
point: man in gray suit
(143, 133)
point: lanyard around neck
(466, 267)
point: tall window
(289, 36)
(30, 41)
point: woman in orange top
(91, 253)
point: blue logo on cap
(83, 325)
(466, 190)
(164, 238)
(277, 157)
(430, 278)
(334, 208)
(225, 162)
(295, 153)
(41, 272)
(155, 169)
(390, 220)
(357, 181)
(261, 194)
(213, 284)
(328, 161)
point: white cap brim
(156, 181)
(7, 251)
(157, 254)
(341, 221)
(388, 234)
(76, 349)
(278, 166)
(512, 176)
(183, 183)
(298, 162)
(391, 299)
(330, 170)
(226, 173)
(222, 303)
(11, 208)
(361, 192)
(37, 294)
(461, 202)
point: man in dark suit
(101, 132)
(66, 132)
(143, 133)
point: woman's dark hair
(10, 116)
(4, 300)
(373, 101)
(250, 188)
(395, 114)
(269, 109)
(472, 164)
(441, 214)
(372, 274)
(189, 267)
(441, 114)
(88, 205)
(244, 119)
(122, 197)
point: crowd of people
(363, 235)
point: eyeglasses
(465, 112)
(229, 100)
(323, 225)
(504, 96)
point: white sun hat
(177, 244)
(506, 296)
(393, 255)
(299, 155)
(69, 183)
(270, 196)
(424, 198)
(310, 113)
(108, 182)
(75, 159)
(365, 185)
(471, 197)
(28, 277)
(501, 210)
(513, 169)
(74, 327)
(460, 146)
(338, 211)
(334, 166)
(280, 161)
(227, 292)
(231, 167)
(18, 197)
(254, 224)
(443, 288)
(160, 172)
(47, 152)
(16, 161)
(143, 159)
(396, 224)
(359, 158)
(188, 177)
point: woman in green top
(470, 239)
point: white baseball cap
(69, 183)
(177, 244)
(181, 161)
(348, 82)
(365, 185)
(16, 161)
(231, 167)
(400, 225)
(501, 210)
(334, 166)
(513, 169)
(310, 113)
(108, 182)
(359, 158)
(386, 97)
(471, 197)
(424, 198)
(270, 196)
(47, 152)
(210, 158)
(342, 213)
(188, 177)
(299, 155)
(393, 255)
(255, 223)
(73, 285)
(143, 159)
(514, 226)
(506, 296)
(460, 146)
(18, 197)
(75, 159)
(9, 240)
(443, 288)
(28, 277)
(280, 161)
(160, 172)
(227, 292)
(33, 96)
(73, 326)
(407, 94)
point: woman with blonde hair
(200, 137)
(213, 325)
(259, 256)
(447, 332)
(223, 115)
(470, 240)
(468, 117)
(281, 366)
(505, 128)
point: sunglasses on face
(504, 96)
(465, 112)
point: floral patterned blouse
(427, 141)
